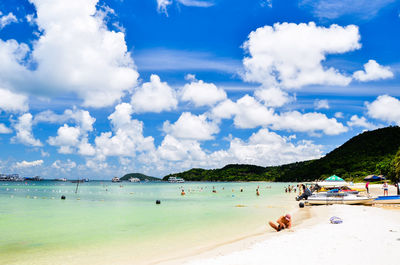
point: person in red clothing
(366, 186)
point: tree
(396, 170)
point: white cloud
(126, 138)
(24, 135)
(81, 117)
(275, 60)
(69, 138)
(251, 114)
(173, 149)
(190, 126)
(224, 110)
(75, 53)
(267, 148)
(66, 138)
(331, 9)
(154, 96)
(321, 104)
(385, 108)
(339, 115)
(12, 102)
(196, 3)
(162, 5)
(25, 164)
(7, 20)
(308, 122)
(4, 129)
(202, 94)
(272, 97)
(356, 121)
(66, 166)
(373, 71)
(263, 148)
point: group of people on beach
(385, 188)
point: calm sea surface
(122, 221)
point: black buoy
(301, 204)
(62, 197)
(158, 202)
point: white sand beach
(368, 235)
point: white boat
(175, 180)
(387, 199)
(134, 180)
(115, 179)
(324, 198)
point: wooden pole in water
(77, 185)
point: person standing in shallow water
(385, 188)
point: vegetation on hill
(372, 152)
(140, 176)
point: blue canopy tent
(374, 178)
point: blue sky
(97, 89)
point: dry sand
(369, 235)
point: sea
(100, 222)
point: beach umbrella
(334, 178)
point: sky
(97, 89)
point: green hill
(370, 152)
(140, 176)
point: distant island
(140, 176)
(371, 152)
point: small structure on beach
(374, 178)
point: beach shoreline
(310, 225)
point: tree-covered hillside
(140, 176)
(371, 152)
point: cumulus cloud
(308, 122)
(70, 138)
(154, 96)
(80, 117)
(7, 19)
(248, 113)
(202, 94)
(263, 148)
(267, 148)
(12, 102)
(23, 128)
(126, 137)
(273, 59)
(321, 104)
(356, 121)
(173, 149)
(272, 97)
(66, 138)
(75, 53)
(373, 71)
(4, 129)
(251, 114)
(385, 108)
(190, 126)
(66, 166)
(24, 164)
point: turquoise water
(36, 225)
